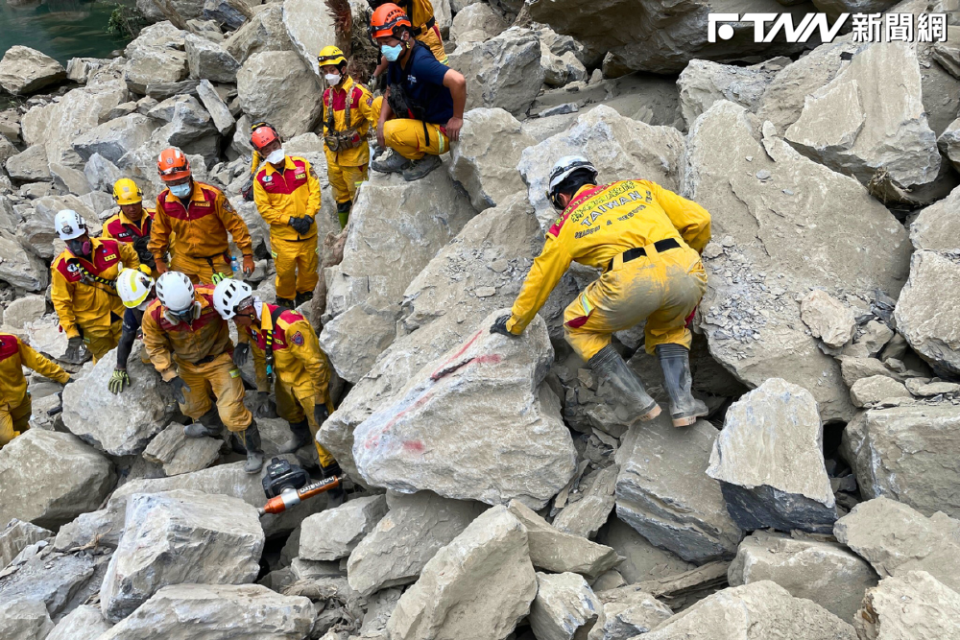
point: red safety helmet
(263, 134)
(173, 165)
(386, 18)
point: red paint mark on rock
(413, 445)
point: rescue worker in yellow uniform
(347, 116)
(84, 290)
(647, 240)
(189, 344)
(285, 352)
(287, 194)
(201, 216)
(15, 404)
(425, 28)
(421, 111)
(133, 222)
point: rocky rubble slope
(495, 490)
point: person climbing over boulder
(647, 241)
(15, 405)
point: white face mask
(276, 157)
(181, 190)
(333, 79)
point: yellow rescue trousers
(222, 378)
(200, 270)
(15, 420)
(412, 139)
(297, 264)
(294, 405)
(345, 180)
(99, 343)
(661, 288)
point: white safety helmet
(175, 291)
(69, 224)
(134, 287)
(562, 170)
(228, 295)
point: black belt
(431, 23)
(207, 360)
(633, 254)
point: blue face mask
(391, 53)
(181, 190)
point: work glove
(309, 220)
(500, 326)
(320, 413)
(240, 353)
(263, 409)
(75, 349)
(118, 381)
(179, 386)
(300, 225)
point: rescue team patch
(298, 339)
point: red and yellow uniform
(596, 228)
(302, 369)
(281, 195)
(84, 296)
(201, 230)
(347, 108)
(15, 406)
(201, 353)
(421, 14)
(120, 228)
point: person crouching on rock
(647, 240)
(15, 404)
(286, 351)
(347, 117)
(422, 109)
(136, 289)
(189, 345)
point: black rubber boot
(251, 440)
(675, 362)
(392, 162)
(285, 302)
(611, 368)
(301, 437)
(303, 297)
(335, 497)
(420, 168)
(208, 425)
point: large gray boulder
(758, 187)
(25, 619)
(703, 82)
(478, 587)
(924, 316)
(442, 306)
(115, 138)
(279, 87)
(769, 461)
(83, 623)
(156, 57)
(30, 165)
(264, 32)
(559, 552)
(937, 227)
(565, 607)
(664, 493)
(503, 71)
(399, 546)
(205, 612)
(621, 148)
(78, 112)
(642, 560)
(895, 540)
(627, 612)
(310, 27)
(824, 572)
(219, 112)
(905, 453)
(476, 23)
(178, 453)
(334, 533)
(19, 267)
(433, 437)
(915, 606)
(850, 128)
(36, 487)
(485, 159)
(16, 536)
(395, 229)
(596, 500)
(209, 60)
(756, 611)
(61, 581)
(119, 424)
(179, 537)
(24, 70)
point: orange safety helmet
(173, 165)
(386, 18)
(262, 135)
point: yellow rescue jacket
(353, 98)
(291, 193)
(298, 360)
(168, 340)
(83, 292)
(602, 222)
(14, 355)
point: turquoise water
(62, 29)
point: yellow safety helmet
(331, 55)
(126, 191)
(133, 287)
